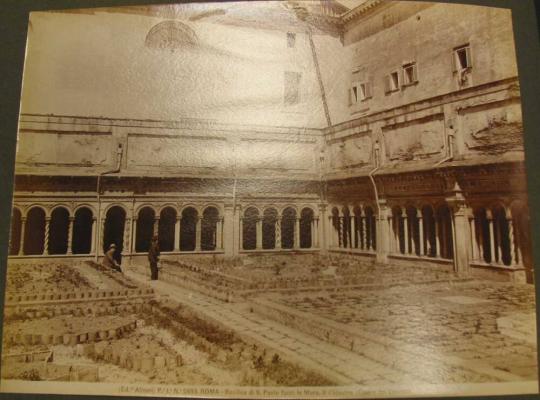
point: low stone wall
(70, 339)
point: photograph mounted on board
(273, 199)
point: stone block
(159, 362)
(147, 363)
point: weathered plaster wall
(404, 32)
(98, 65)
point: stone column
(241, 233)
(405, 231)
(229, 231)
(101, 238)
(391, 241)
(133, 242)
(365, 240)
(176, 246)
(46, 239)
(297, 233)
(155, 228)
(489, 217)
(322, 229)
(219, 234)
(127, 236)
(93, 238)
(258, 231)
(23, 230)
(421, 232)
(474, 242)
(277, 232)
(70, 235)
(198, 233)
(460, 230)
(437, 238)
(353, 232)
(382, 231)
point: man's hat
(112, 246)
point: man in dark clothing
(109, 261)
(153, 257)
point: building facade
(390, 132)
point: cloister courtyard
(289, 320)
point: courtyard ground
(309, 323)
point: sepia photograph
(270, 200)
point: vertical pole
(258, 225)
(297, 233)
(421, 232)
(46, 239)
(133, 244)
(491, 236)
(219, 234)
(277, 232)
(474, 242)
(405, 231)
(23, 230)
(198, 233)
(70, 235)
(177, 233)
(93, 238)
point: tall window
(410, 75)
(391, 82)
(291, 39)
(462, 58)
(360, 91)
(292, 88)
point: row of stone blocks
(208, 290)
(132, 361)
(83, 295)
(71, 339)
(95, 310)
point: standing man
(109, 261)
(153, 257)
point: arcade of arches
(496, 235)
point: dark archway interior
(269, 228)
(82, 231)
(145, 229)
(58, 231)
(167, 221)
(209, 229)
(249, 229)
(114, 231)
(34, 235)
(15, 233)
(188, 229)
(306, 219)
(288, 220)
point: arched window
(145, 229)
(167, 221)
(188, 229)
(115, 221)
(269, 228)
(34, 232)
(15, 233)
(249, 228)
(209, 229)
(82, 231)
(288, 222)
(306, 228)
(58, 231)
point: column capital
(47, 219)
(71, 218)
